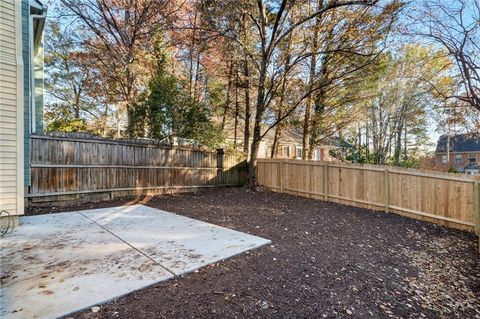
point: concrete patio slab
(178, 243)
(56, 264)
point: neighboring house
(461, 151)
(21, 95)
(289, 145)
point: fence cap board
(149, 143)
(129, 142)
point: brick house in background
(463, 150)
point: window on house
(458, 158)
(299, 152)
(285, 151)
(444, 159)
(472, 158)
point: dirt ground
(326, 261)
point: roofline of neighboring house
(458, 143)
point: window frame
(297, 150)
(472, 158)
(286, 151)
(458, 158)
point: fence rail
(62, 166)
(442, 198)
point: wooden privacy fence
(442, 198)
(65, 166)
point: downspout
(33, 127)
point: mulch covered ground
(325, 261)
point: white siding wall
(11, 107)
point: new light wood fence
(442, 198)
(63, 168)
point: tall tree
(273, 24)
(120, 37)
(403, 100)
(69, 83)
(455, 26)
(166, 110)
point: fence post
(220, 155)
(386, 189)
(282, 175)
(476, 209)
(325, 181)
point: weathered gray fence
(65, 168)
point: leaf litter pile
(326, 261)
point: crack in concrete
(127, 243)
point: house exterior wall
(262, 150)
(325, 154)
(465, 156)
(29, 93)
(11, 107)
(321, 153)
(290, 151)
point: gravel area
(326, 261)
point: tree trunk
(105, 121)
(117, 118)
(359, 154)
(367, 146)
(77, 107)
(192, 50)
(398, 143)
(277, 136)
(315, 130)
(279, 127)
(227, 101)
(252, 162)
(197, 77)
(260, 108)
(319, 108)
(308, 107)
(246, 73)
(236, 120)
(246, 139)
